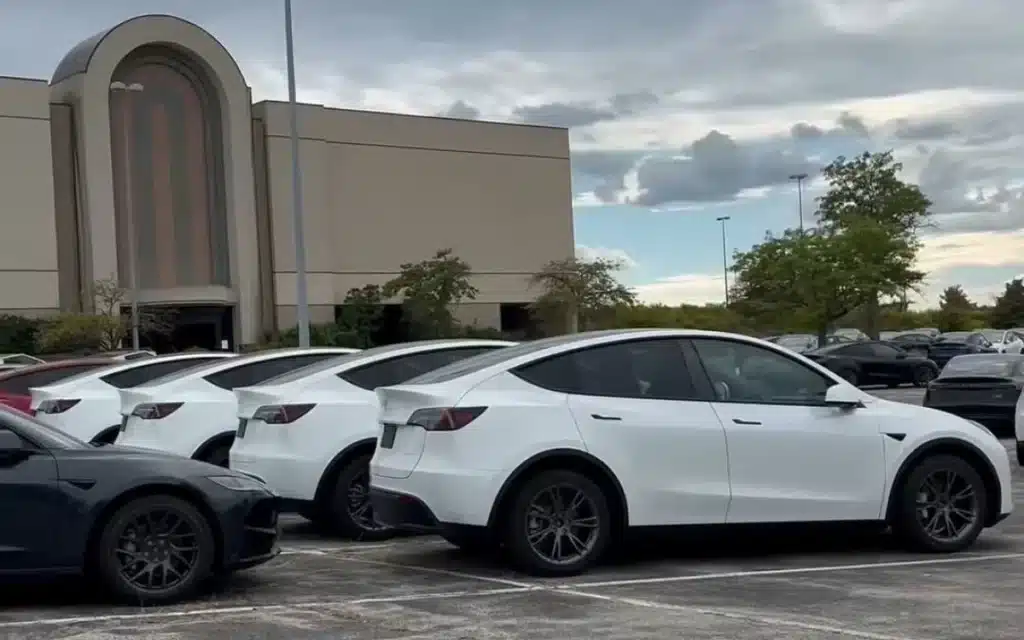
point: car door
(889, 363)
(861, 354)
(637, 411)
(791, 458)
(33, 507)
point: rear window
(485, 360)
(21, 382)
(253, 373)
(133, 377)
(974, 366)
(397, 370)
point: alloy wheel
(359, 507)
(562, 524)
(947, 506)
(157, 550)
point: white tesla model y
(552, 448)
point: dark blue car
(149, 527)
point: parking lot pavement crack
(832, 627)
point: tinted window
(981, 366)
(854, 351)
(653, 369)
(883, 350)
(954, 336)
(21, 360)
(20, 383)
(144, 373)
(253, 373)
(397, 370)
(743, 372)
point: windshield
(954, 336)
(997, 367)
(39, 433)
(993, 335)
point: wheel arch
(961, 449)
(104, 435)
(224, 437)
(571, 459)
(189, 494)
(339, 462)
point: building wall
(28, 245)
(380, 190)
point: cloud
(462, 110)
(596, 253)
(847, 125)
(585, 113)
(691, 288)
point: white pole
(301, 300)
(133, 255)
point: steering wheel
(722, 391)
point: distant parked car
(873, 362)
(19, 359)
(801, 342)
(15, 384)
(1004, 341)
(957, 343)
(913, 341)
(983, 387)
(128, 354)
(850, 334)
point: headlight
(982, 427)
(239, 483)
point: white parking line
(269, 608)
(961, 559)
(448, 572)
(837, 628)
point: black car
(982, 387)
(149, 527)
(957, 343)
(874, 362)
(913, 341)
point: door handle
(598, 416)
(738, 421)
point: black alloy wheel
(219, 455)
(943, 505)
(349, 511)
(560, 524)
(156, 549)
(922, 376)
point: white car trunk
(400, 445)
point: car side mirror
(844, 396)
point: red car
(15, 384)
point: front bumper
(251, 532)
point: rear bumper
(290, 478)
(403, 511)
(981, 412)
(251, 533)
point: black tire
(907, 518)
(118, 554)
(850, 376)
(519, 521)
(923, 375)
(107, 436)
(337, 510)
(1020, 453)
(219, 455)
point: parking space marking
(268, 608)
(753, 573)
(835, 627)
(451, 573)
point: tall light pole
(127, 90)
(301, 299)
(800, 177)
(725, 259)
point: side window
(247, 375)
(741, 372)
(855, 351)
(21, 360)
(651, 369)
(22, 383)
(139, 375)
(397, 370)
(883, 350)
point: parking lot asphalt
(797, 587)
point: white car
(10, 360)
(554, 447)
(1008, 341)
(88, 406)
(309, 434)
(193, 412)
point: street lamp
(127, 90)
(301, 298)
(800, 177)
(725, 259)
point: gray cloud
(847, 125)
(908, 131)
(584, 114)
(462, 110)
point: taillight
(55, 406)
(155, 410)
(282, 413)
(444, 418)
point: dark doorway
(203, 327)
(518, 322)
(392, 327)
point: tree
(104, 329)
(953, 298)
(429, 289)
(868, 187)
(361, 312)
(815, 278)
(1008, 311)
(580, 291)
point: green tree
(869, 188)
(429, 289)
(580, 293)
(361, 313)
(815, 278)
(956, 311)
(1008, 311)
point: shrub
(70, 332)
(18, 334)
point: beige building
(185, 168)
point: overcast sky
(680, 110)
